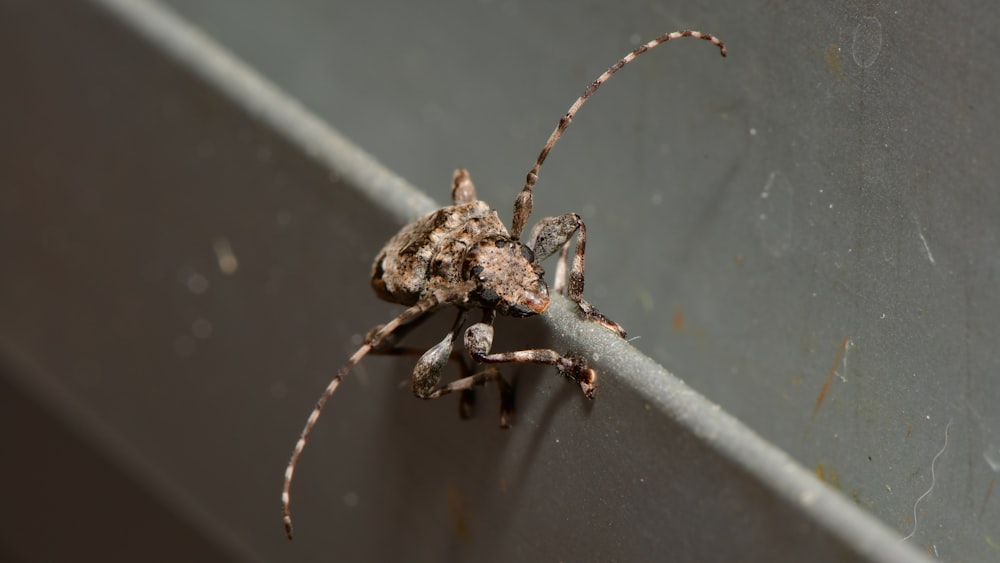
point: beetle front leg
(427, 372)
(553, 233)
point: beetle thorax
(507, 277)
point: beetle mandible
(463, 256)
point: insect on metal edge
(462, 256)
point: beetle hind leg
(462, 188)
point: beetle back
(427, 254)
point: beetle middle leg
(479, 341)
(467, 399)
(466, 385)
(555, 233)
(427, 375)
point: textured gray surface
(819, 199)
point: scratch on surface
(847, 344)
(986, 499)
(927, 248)
(923, 239)
(933, 481)
(991, 543)
(775, 211)
(992, 459)
(841, 357)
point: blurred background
(805, 232)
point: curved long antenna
(522, 205)
(373, 341)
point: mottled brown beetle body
(462, 256)
(402, 271)
(461, 246)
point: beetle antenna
(376, 339)
(522, 206)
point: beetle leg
(466, 385)
(427, 375)
(467, 399)
(462, 188)
(553, 233)
(479, 341)
(427, 372)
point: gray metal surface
(830, 186)
(804, 231)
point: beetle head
(506, 276)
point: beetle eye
(528, 254)
(489, 297)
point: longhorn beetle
(463, 256)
